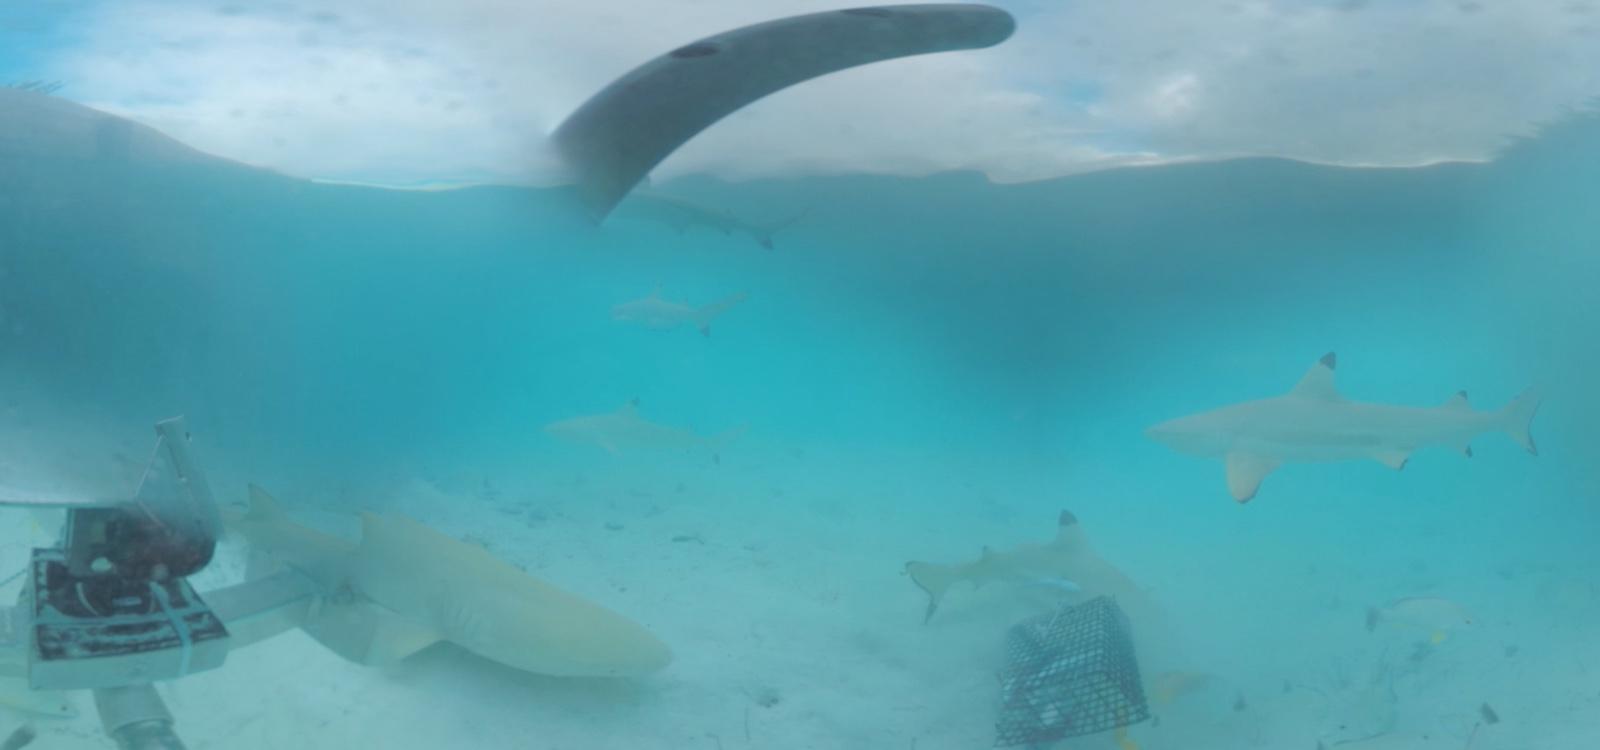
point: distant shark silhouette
(1314, 423)
(405, 587)
(681, 215)
(664, 315)
(625, 429)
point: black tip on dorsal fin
(1330, 361)
(1462, 395)
(1066, 519)
(634, 402)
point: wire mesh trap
(1069, 673)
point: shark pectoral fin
(262, 506)
(396, 638)
(1245, 472)
(367, 633)
(933, 580)
(1396, 459)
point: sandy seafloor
(792, 627)
(925, 367)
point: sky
(417, 91)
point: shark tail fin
(706, 314)
(1517, 419)
(934, 579)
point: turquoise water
(923, 367)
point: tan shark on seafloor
(681, 214)
(406, 586)
(625, 429)
(660, 314)
(1314, 423)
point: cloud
(408, 90)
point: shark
(1083, 574)
(1068, 562)
(1314, 423)
(405, 587)
(656, 313)
(625, 429)
(680, 215)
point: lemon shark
(658, 313)
(625, 429)
(405, 586)
(1313, 423)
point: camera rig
(110, 608)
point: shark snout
(1183, 436)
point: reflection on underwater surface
(923, 367)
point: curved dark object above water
(624, 131)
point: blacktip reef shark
(405, 587)
(1067, 562)
(1070, 563)
(681, 215)
(660, 314)
(623, 429)
(1313, 423)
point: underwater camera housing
(111, 606)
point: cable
(185, 638)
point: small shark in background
(681, 214)
(660, 314)
(625, 429)
(1314, 423)
(406, 586)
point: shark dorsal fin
(262, 506)
(1318, 382)
(1458, 401)
(1066, 527)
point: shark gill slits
(698, 49)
